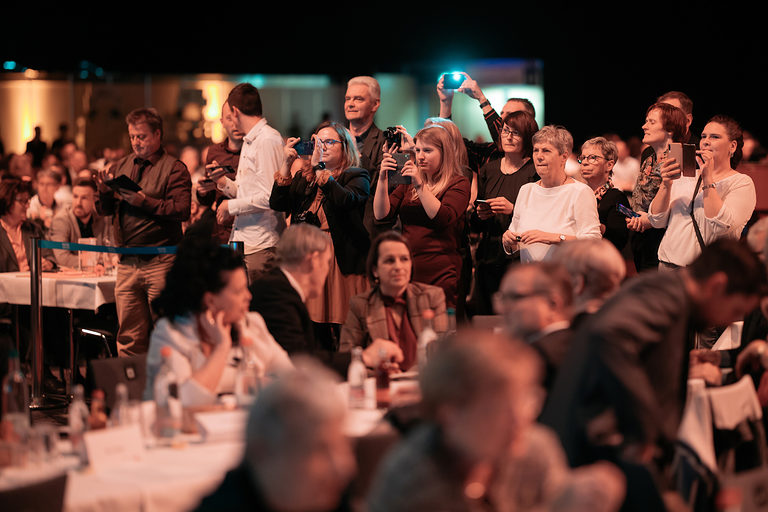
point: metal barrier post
(36, 330)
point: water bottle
(16, 397)
(120, 415)
(426, 337)
(356, 375)
(248, 376)
(98, 418)
(78, 422)
(382, 380)
(167, 403)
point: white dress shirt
(256, 224)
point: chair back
(42, 496)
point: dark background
(604, 63)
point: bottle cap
(165, 352)
(98, 394)
(428, 314)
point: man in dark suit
(536, 300)
(361, 101)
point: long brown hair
(439, 136)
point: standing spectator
(663, 124)
(598, 157)
(255, 223)
(332, 198)
(62, 140)
(627, 168)
(151, 217)
(431, 208)
(498, 184)
(37, 147)
(361, 101)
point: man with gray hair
(297, 455)
(361, 101)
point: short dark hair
(246, 98)
(685, 102)
(373, 253)
(672, 119)
(149, 116)
(85, 182)
(10, 188)
(199, 267)
(734, 133)
(525, 124)
(746, 273)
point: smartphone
(396, 177)
(452, 80)
(480, 201)
(626, 211)
(123, 182)
(685, 154)
(304, 147)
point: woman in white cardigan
(722, 199)
(554, 209)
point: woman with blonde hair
(431, 207)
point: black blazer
(344, 205)
(8, 261)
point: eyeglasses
(591, 159)
(508, 132)
(23, 200)
(514, 296)
(328, 142)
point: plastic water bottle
(426, 337)
(120, 415)
(78, 422)
(167, 403)
(356, 375)
(16, 397)
(248, 376)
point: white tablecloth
(70, 290)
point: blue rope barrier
(70, 246)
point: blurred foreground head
(483, 390)
(296, 447)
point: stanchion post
(35, 297)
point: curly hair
(200, 266)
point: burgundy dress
(434, 242)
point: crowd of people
(359, 237)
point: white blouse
(568, 209)
(679, 245)
(187, 357)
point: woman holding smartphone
(431, 207)
(715, 203)
(330, 193)
(498, 183)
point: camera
(392, 136)
(307, 217)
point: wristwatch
(562, 237)
(484, 104)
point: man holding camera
(361, 102)
(256, 224)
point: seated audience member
(498, 185)
(297, 455)
(43, 206)
(479, 395)
(554, 209)
(696, 210)
(79, 220)
(431, 208)
(304, 257)
(332, 198)
(16, 230)
(535, 300)
(391, 312)
(203, 306)
(598, 157)
(621, 395)
(597, 270)
(664, 124)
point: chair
(107, 373)
(44, 496)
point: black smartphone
(396, 177)
(452, 80)
(304, 147)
